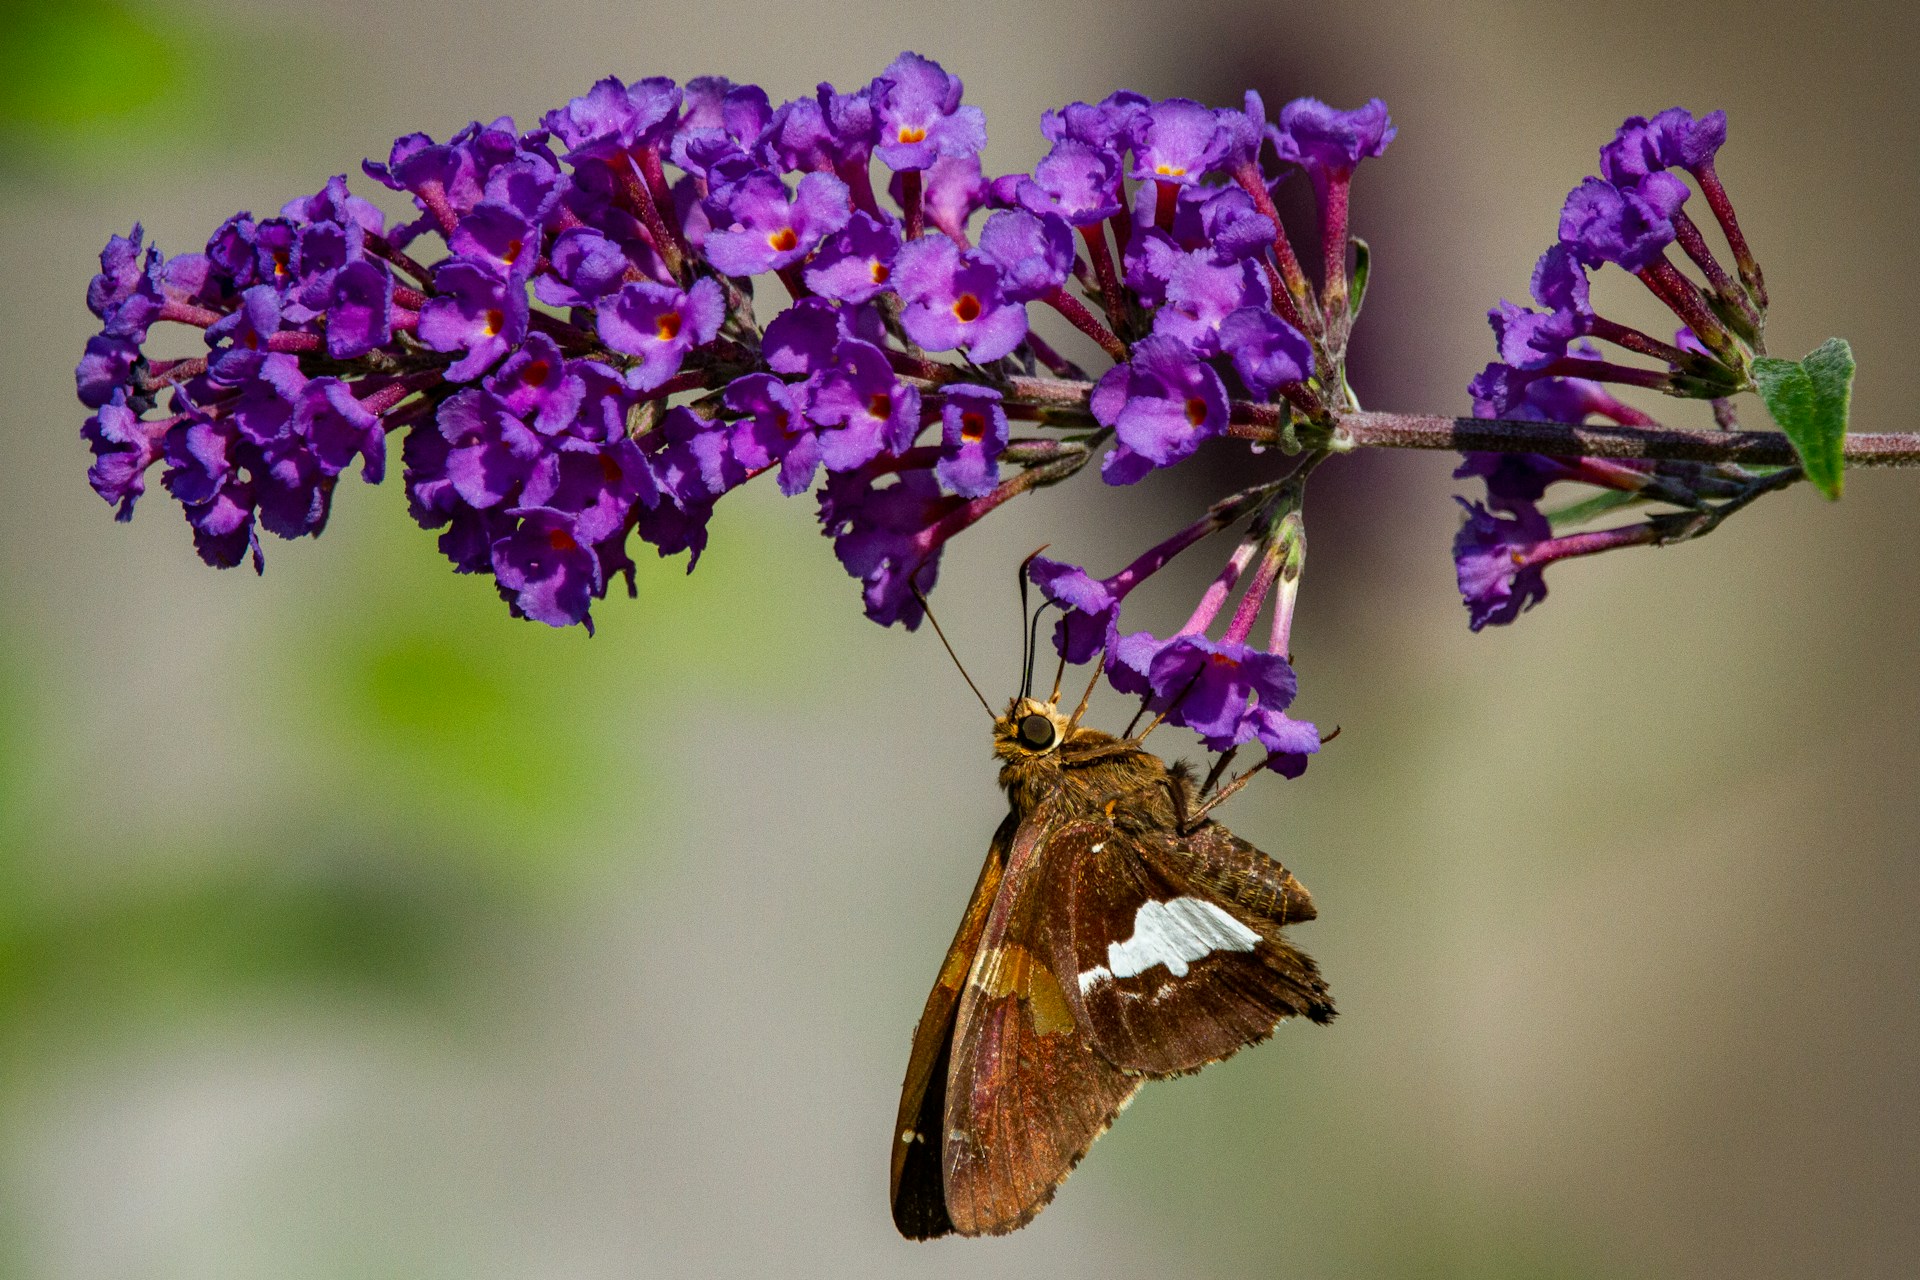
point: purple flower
(1177, 141)
(973, 431)
(123, 448)
(758, 227)
(1515, 481)
(1328, 143)
(1161, 404)
(1631, 226)
(801, 340)
(544, 571)
(338, 428)
(887, 536)
(1489, 556)
(955, 191)
(1673, 139)
(1267, 352)
(491, 452)
(584, 267)
(105, 369)
(1074, 180)
(1201, 295)
(856, 264)
(917, 107)
(953, 301)
(205, 476)
(660, 324)
(598, 486)
(495, 237)
(126, 294)
(859, 409)
(1090, 607)
(1207, 685)
(611, 117)
(475, 312)
(537, 380)
(360, 313)
(1104, 126)
(1033, 251)
(771, 428)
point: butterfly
(1113, 938)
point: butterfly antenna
(949, 647)
(1026, 632)
(1033, 648)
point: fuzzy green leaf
(1809, 400)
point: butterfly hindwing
(1173, 949)
(1026, 1092)
(918, 1190)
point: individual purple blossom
(597, 485)
(758, 226)
(491, 451)
(768, 429)
(1207, 685)
(1490, 560)
(1672, 139)
(337, 428)
(1090, 607)
(856, 263)
(801, 340)
(1034, 252)
(660, 325)
(105, 369)
(536, 380)
(1162, 403)
(475, 312)
(544, 571)
(611, 117)
(1104, 126)
(887, 536)
(1629, 226)
(1267, 352)
(124, 447)
(1074, 180)
(1200, 295)
(973, 432)
(916, 105)
(360, 313)
(953, 301)
(859, 409)
(1176, 141)
(584, 267)
(954, 191)
(204, 475)
(1329, 143)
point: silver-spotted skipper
(1112, 939)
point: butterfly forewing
(1026, 1093)
(918, 1190)
(1173, 947)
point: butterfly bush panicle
(1633, 216)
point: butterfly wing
(1026, 1092)
(1173, 956)
(917, 1189)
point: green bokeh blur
(351, 928)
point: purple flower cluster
(1549, 370)
(1631, 217)
(563, 330)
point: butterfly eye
(1036, 732)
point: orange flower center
(668, 327)
(512, 253)
(783, 240)
(966, 308)
(496, 321)
(880, 405)
(912, 133)
(1196, 411)
(880, 272)
(561, 540)
(973, 427)
(1169, 171)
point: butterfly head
(1028, 730)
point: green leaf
(1362, 269)
(1809, 400)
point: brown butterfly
(1112, 939)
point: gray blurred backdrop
(351, 928)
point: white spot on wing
(1175, 934)
(1093, 976)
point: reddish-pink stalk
(1086, 322)
(1722, 207)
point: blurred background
(350, 928)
